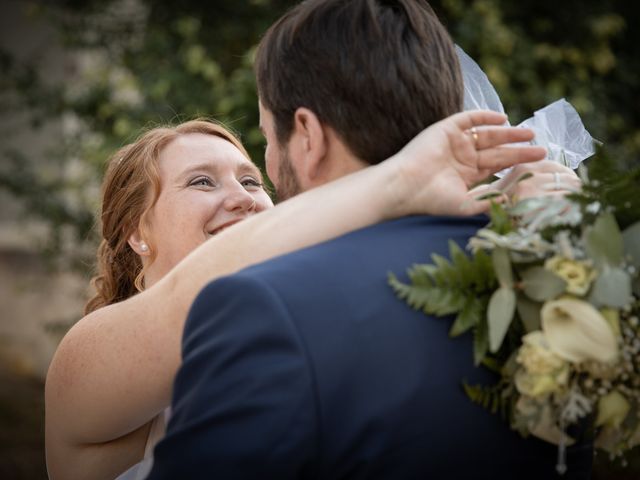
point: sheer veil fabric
(557, 126)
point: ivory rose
(578, 275)
(542, 370)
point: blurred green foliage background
(144, 63)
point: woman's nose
(239, 200)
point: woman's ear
(138, 245)
(308, 146)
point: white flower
(543, 371)
(577, 332)
(536, 357)
(577, 274)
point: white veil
(479, 93)
(557, 126)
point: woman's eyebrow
(208, 166)
(249, 168)
(242, 169)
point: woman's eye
(201, 182)
(251, 182)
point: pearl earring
(144, 247)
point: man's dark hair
(378, 72)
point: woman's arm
(114, 369)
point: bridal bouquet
(551, 293)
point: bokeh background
(78, 79)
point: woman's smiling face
(206, 185)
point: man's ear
(137, 244)
(308, 146)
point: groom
(308, 366)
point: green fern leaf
(401, 290)
(422, 275)
(449, 300)
(479, 394)
(468, 317)
(485, 264)
(444, 273)
(422, 297)
(442, 288)
(440, 302)
(462, 264)
(492, 397)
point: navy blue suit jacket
(308, 366)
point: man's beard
(288, 184)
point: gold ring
(474, 134)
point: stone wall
(37, 307)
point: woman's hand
(461, 151)
(531, 180)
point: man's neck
(340, 161)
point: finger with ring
(474, 134)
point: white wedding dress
(141, 469)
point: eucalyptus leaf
(499, 315)
(529, 205)
(631, 240)
(502, 267)
(604, 241)
(612, 288)
(489, 196)
(524, 176)
(540, 284)
(529, 312)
